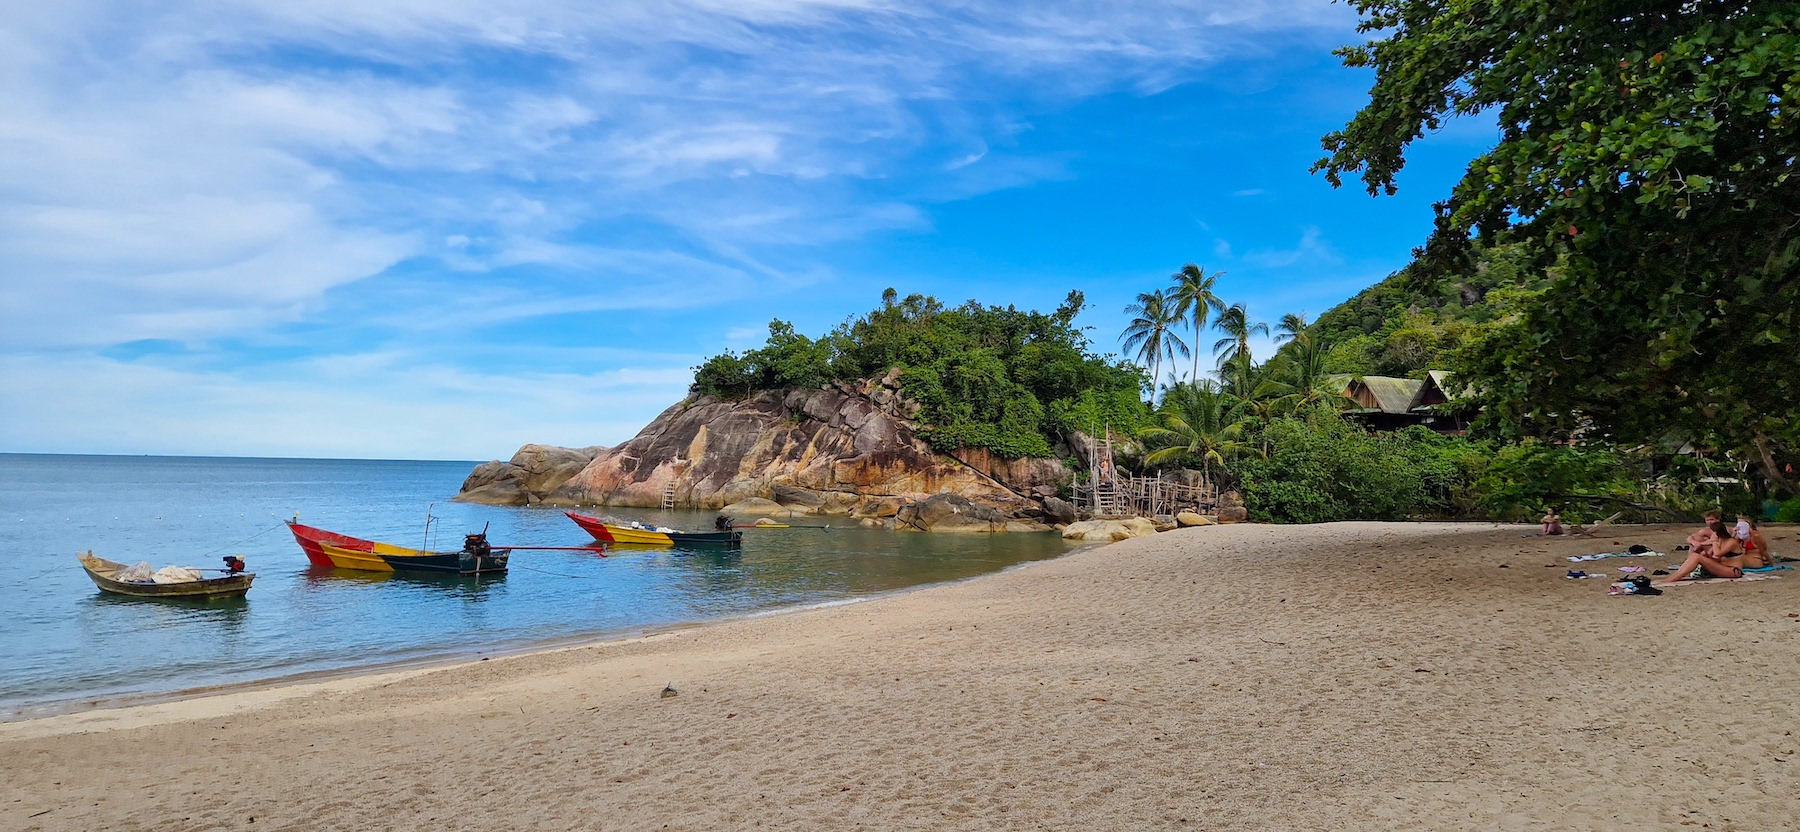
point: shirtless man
(1723, 558)
(1702, 541)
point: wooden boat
(342, 551)
(614, 533)
(104, 572)
(310, 540)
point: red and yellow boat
(341, 551)
(651, 535)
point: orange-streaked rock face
(841, 449)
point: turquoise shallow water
(64, 645)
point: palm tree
(1293, 328)
(1199, 419)
(1152, 332)
(1299, 378)
(1234, 349)
(1195, 299)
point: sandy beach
(1343, 676)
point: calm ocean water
(65, 645)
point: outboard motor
(476, 545)
(233, 564)
(722, 523)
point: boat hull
(613, 533)
(387, 558)
(99, 570)
(311, 542)
(341, 551)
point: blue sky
(444, 228)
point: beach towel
(1604, 555)
(1692, 581)
(1776, 568)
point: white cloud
(1312, 248)
(403, 408)
(197, 171)
(204, 168)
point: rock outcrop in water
(845, 449)
(532, 473)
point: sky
(440, 229)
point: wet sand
(1343, 676)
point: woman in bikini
(1756, 547)
(1725, 558)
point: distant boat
(325, 548)
(655, 536)
(105, 574)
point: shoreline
(345, 678)
(1352, 675)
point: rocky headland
(841, 449)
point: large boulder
(1058, 510)
(534, 471)
(547, 466)
(1192, 518)
(1109, 530)
(1233, 514)
(950, 513)
(494, 483)
(797, 498)
(756, 507)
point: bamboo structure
(1110, 492)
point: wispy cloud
(240, 180)
(179, 170)
(1312, 248)
(404, 408)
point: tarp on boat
(137, 572)
(176, 575)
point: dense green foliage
(1418, 320)
(1644, 168)
(1320, 468)
(984, 376)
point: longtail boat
(342, 551)
(310, 540)
(105, 574)
(655, 536)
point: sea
(65, 646)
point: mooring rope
(241, 542)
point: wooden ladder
(669, 496)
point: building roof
(1385, 394)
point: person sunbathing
(1724, 558)
(1756, 547)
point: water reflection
(466, 587)
(68, 642)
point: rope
(547, 572)
(241, 542)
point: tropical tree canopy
(991, 377)
(1196, 300)
(1151, 331)
(1643, 165)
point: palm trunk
(1194, 377)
